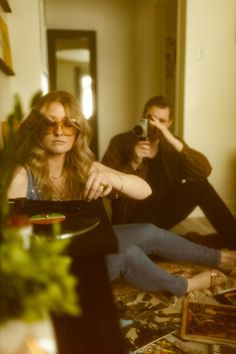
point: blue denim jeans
(137, 241)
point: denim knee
(131, 255)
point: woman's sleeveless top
(31, 190)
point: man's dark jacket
(189, 165)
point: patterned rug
(151, 321)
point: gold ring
(102, 186)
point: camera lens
(138, 130)
(141, 128)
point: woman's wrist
(120, 189)
(117, 181)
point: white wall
(149, 77)
(25, 41)
(210, 89)
(6, 82)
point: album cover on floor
(143, 317)
(162, 346)
(227, 297)
(139, 333)
(209, 323)
(134, 303)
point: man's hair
(158, 101)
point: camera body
(143, 130)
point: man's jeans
(180, 201)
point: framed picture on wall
(5, 5)
(5, 50)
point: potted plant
(8, 152)
(34, 282)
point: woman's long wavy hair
(33, 156)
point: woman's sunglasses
(49, 125)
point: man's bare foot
(227, 259)
(205, 280)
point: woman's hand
(97, 185)
(102, 179)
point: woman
(55, 163)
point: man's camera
(143, 129)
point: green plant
(7, 154)
(36, 279)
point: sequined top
(31, 190)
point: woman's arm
(19, 184)
(103, 179)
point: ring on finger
(102, 186)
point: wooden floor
(199, 225)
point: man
(177, 175)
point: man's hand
(165, 133)
(143, 149)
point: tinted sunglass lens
(68, 126)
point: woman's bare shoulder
(19, 184)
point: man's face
(159, 115)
